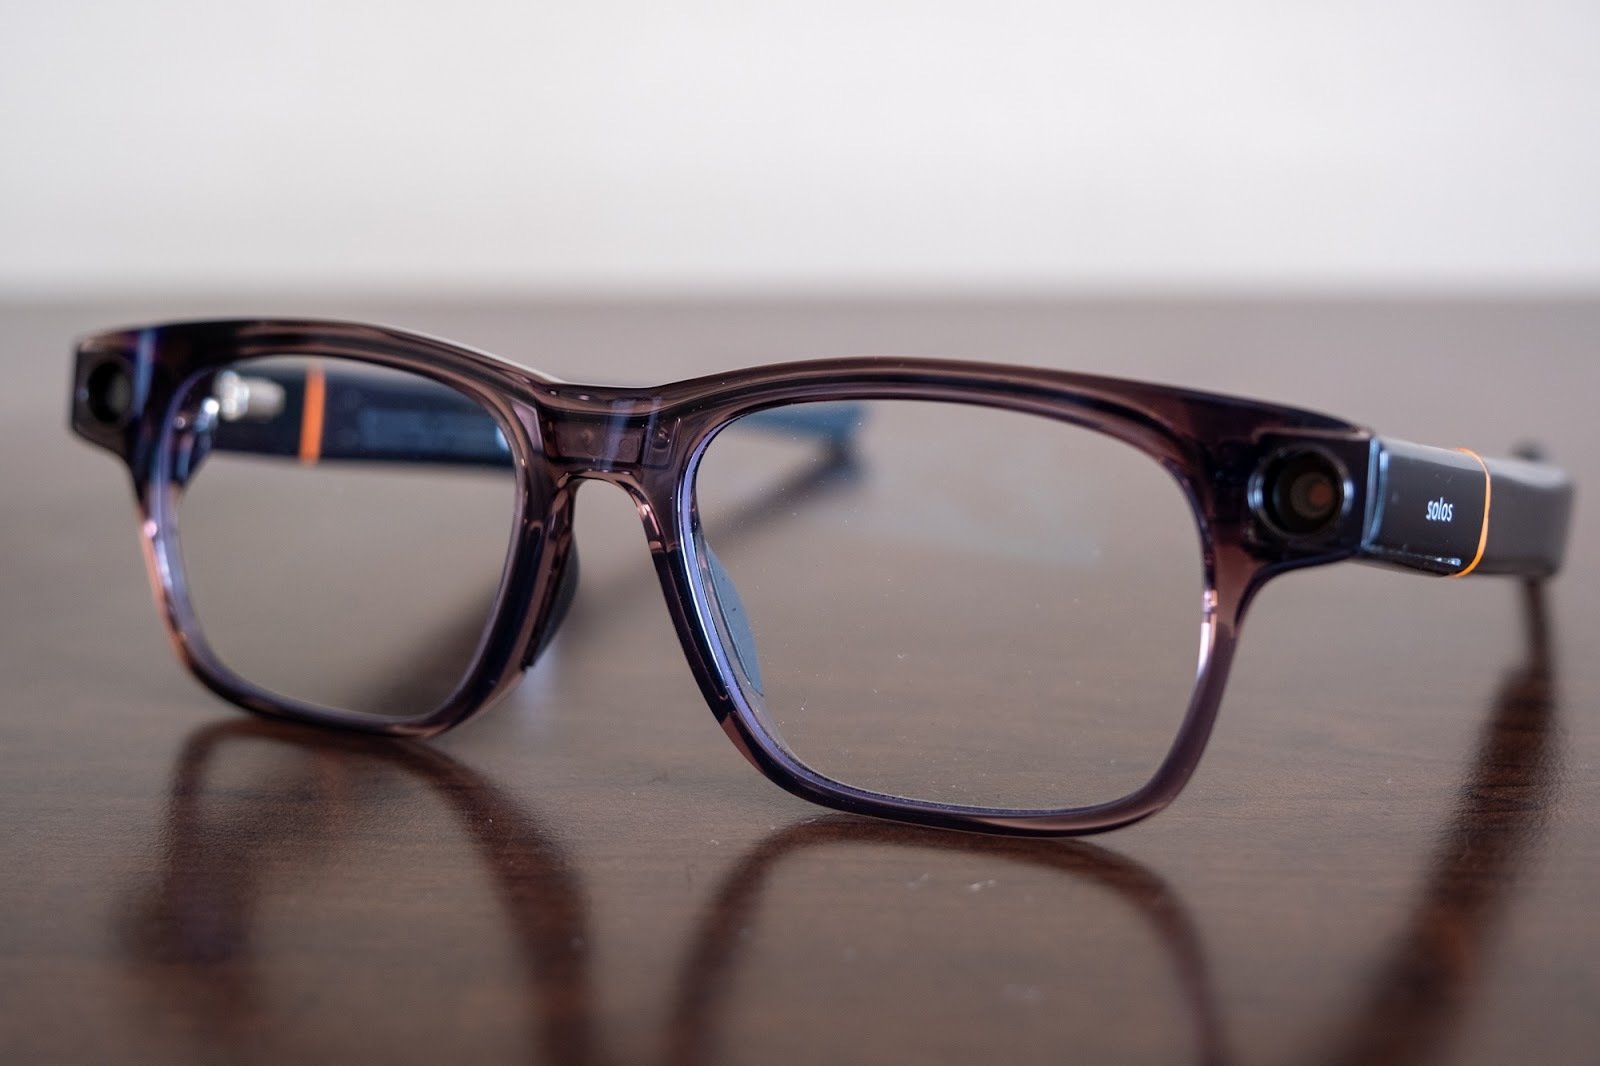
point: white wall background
(819, 145)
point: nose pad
(566, 590)
(735, 624)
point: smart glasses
(973, 596)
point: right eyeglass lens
(950, 603)
(342, 529)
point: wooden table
(1390, 854)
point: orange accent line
(1483, 535)
(311, 416)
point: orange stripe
(1483, 534)
(311, 416)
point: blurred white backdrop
(825, 145)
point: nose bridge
(604, 434)
(625, 437)
(612, 434)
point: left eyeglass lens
(342, 528)
(952, 604)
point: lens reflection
(1045, 578)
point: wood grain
(1388, 855)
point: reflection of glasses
(360, 527)
(228, 836)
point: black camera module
(1302, 493)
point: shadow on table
(195, 921)
(1421, 988)
(196, 918)
(709, 970)
(1417, 993)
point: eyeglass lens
(283, 467)
(1044, 576)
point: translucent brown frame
(1222, 451)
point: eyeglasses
(366, 528)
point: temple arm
(316, 415)
(1456, 513)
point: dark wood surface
(1390, 854)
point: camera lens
(1302, 493)
(108, 393)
